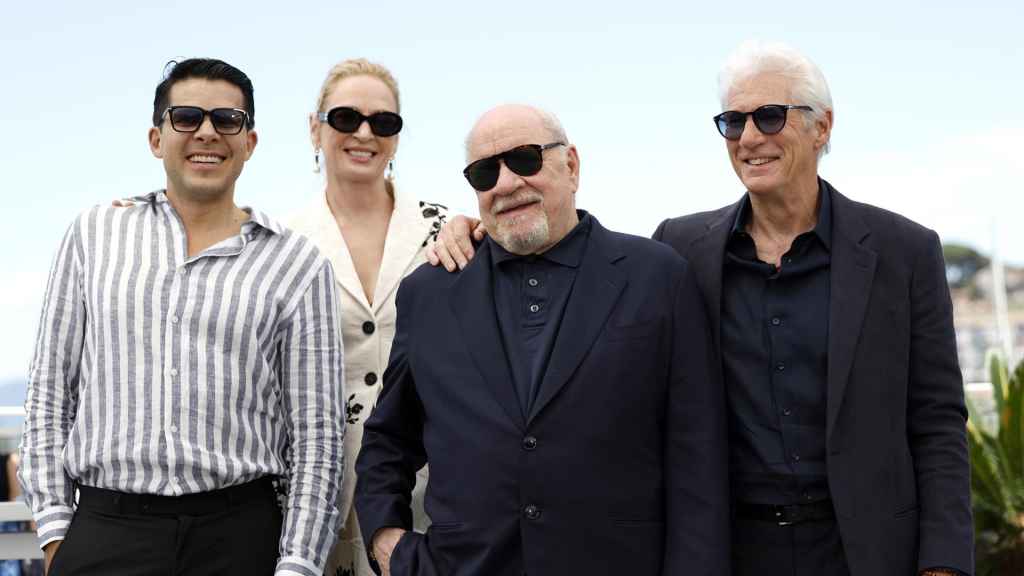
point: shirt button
(780, 366)
(174, 371)
(370, 378)
(534, 308)
(776, 321)
(529, 443)
(368, 327)
(796, 457)
(787, 412)
(174, 428)
(532, 512)
(174, 319)
(532, 282)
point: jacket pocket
(633, 331)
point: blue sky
(927, 96)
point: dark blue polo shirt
(530, 293)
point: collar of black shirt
(823, 229)
(567, 252)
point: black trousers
(761, 548)
(233, 531)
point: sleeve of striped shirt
(312, 383)
(53, 394)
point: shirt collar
(823, 228)
(256, 219)
(567, 252)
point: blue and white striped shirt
(159, 373)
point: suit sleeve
(697, 484)
(392, 449)
(936, 420)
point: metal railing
(17, 545)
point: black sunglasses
(348, 120)
(525, 160)
(769, 119)
(226, 121)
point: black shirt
(775, 359)
(530, 293)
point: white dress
(367, 333)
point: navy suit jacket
(620, 468)
(896, 442)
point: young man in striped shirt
(188, 354)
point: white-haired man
(834, 328)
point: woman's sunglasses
(524, 160)
(226, 121)
(769, 119)
(348, 120)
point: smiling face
(202, 165)
(775, 163)
(526, 214)
(359, 157)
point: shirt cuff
(52, 523)
(296, 566)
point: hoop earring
(316, 161)
(390, 174)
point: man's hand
(453, 247)
(384, 542)
(49, 551)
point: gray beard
(523, 243)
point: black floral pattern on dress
(352, 410)
(350, 570)
(437, 212)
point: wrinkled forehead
(503, 130)
(749, 92)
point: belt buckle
(787, 515)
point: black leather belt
(786, 515)
(197, 504)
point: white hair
(753, 57)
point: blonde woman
(374, 235)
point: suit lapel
(707, 256)
(472, 303)
(406, 233)
(596, 289)
(332, 245)
(852, 272)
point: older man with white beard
(561, 388)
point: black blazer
(897, 456)
(619, 469)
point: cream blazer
(368, 330)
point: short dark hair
(206, 68)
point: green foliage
(962, 263)
(997, 474)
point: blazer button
(368, 327)
(529, 443)
(532, 512)
(370, 379)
